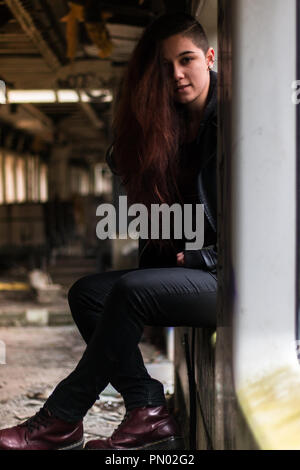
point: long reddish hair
(148, 125)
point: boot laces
(40, 419)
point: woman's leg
(87, 299)
(164, 296)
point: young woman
(165, 152)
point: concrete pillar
(59, 178)
(257, 372)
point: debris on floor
(37, 358)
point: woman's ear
(210, 58)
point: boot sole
(75, 446)
(172, 443)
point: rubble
(39, 357)
(46, 291)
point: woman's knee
(88, 293)
(77, 295)
(75, 291)
(125, 297)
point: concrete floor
(33, 359)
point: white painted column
(266, 370)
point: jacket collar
(211, 108)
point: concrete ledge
(34, 315)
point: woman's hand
(180, 259)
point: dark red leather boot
(142, 429)
(43, 432)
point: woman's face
(188, 68)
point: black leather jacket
(206, 258)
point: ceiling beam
(27, 24)
(127, 11)
(91, 115)
(25, 118)
(37, 114)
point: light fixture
(31, 96)
(67, 96)
(54, 96)
(98, 96)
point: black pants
(110, 310)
